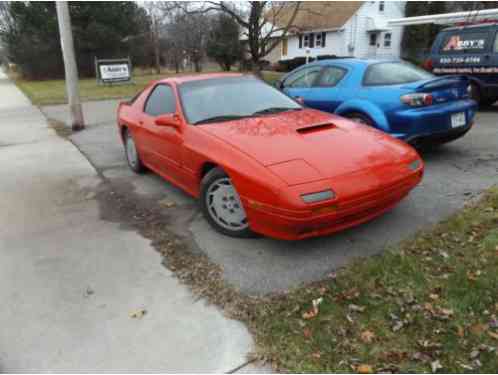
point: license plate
(458, 119)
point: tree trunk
(256, 68)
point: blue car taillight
(417, 99)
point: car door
(165, 143)
(493, 62)
(325, 94)
(298, 84)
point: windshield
(394, 73)
(228, 98)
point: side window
(387, 40)
(160, 101)
(331, 76)
(303, 78)
(461, 42)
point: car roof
(476, 26)
(352, 61)
(197, 77)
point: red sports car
(260, 162)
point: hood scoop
(316, 128)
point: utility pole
(71, 70)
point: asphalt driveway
(455, 174)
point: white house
(342, 28)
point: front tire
(132, 156)
(221, 205)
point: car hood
(307, 145)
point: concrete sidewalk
(69, 280)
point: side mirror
(279, 84)
(171, 120)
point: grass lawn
(53, 91)
(430, 304)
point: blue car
(394, 96)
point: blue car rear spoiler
(444, 81)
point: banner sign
(115, 70)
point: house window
(387, 40)
(312, 40)
(381, 6)
(373, 39)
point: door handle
(140, 122)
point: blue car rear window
(394, 73)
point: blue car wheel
(360, 118)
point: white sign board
(114, 72)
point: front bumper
(338, 216)
(413, 124)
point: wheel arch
(366, 108)
(207, 167)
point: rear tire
(221, 206)
(132, 156)
(360, 118)
(475, 93)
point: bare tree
(153, 10)
(263, 23)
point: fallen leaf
(322, 290)
(434, 296)
(367, 336)
(397, 326)
(466, 367)
(356, 308)
(364, 369)
(138, 314)
(460, 331)
(316, 355)
(436, 365)
(474, 354)
(444, 254)
(478, 329)
(167, 203)
(493, 334)
(310, 314)
(418, 356)
(447, 312)
(307, 332)
(314, 310)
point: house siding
(359, 38)
(333, 46)
(353, 38)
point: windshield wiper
(271, 110)
(219, 118)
